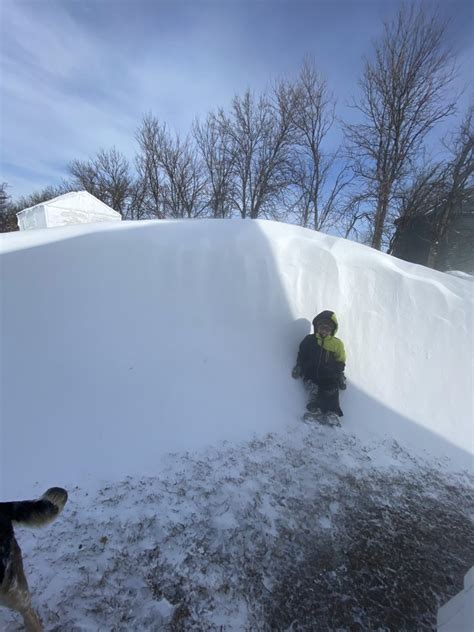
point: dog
(14, 592)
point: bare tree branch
(460, 178)
(214, 143)
(171, 171)
(260, 138)
(107, 176)
(404, 95)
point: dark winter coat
(321, 358)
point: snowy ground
(146, 368)
(302, 530)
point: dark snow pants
(324, 394)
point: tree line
(269, 156)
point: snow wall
(125, 341)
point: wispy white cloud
(76, 77)
(58, 100)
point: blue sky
(77, 76)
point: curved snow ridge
(134, 339)
(408, 333)
(461, 275)
(412, 271)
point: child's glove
(296, 372)
(342, 382)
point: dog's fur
(14, 591)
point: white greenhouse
(77, 207)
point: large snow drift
(122, 342)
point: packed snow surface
(125, 344)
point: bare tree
(214, 143)
(312, 115)
(107, 176)
(139, 206)
(172, 171)
(4, 197)
(8, 222)
(260, 137)
(459, 176)
(149, 169)
(403, 95)
(421, 195)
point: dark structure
(416, 236)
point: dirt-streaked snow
(124, 343)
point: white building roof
(73, 200)
(76, 207)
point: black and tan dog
(14, 591)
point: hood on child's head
(326, 316)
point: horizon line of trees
(268, 156)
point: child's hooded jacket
(322, 358)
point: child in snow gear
(321, 362)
